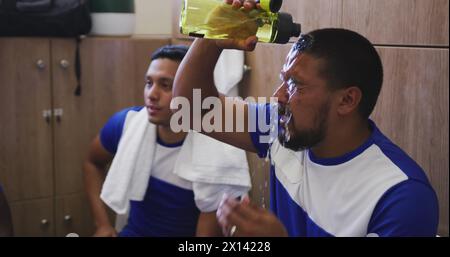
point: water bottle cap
(286, 28)
(270, 5)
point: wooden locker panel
(107, 68)
(73, 129)
(26, 148)
(314, 14)
(72, 215)
(399, 22)
(33, 218)
(413, 111)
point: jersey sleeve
(409, 209)
(111, 132)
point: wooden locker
(26, 149)
(314, 14)
(33, 218)
(412, 111)
(73, 216)
(73, 118)
(399, 22)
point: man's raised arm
(197, 72)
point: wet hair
(172, 52)
(349, 59)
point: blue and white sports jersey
(171, 205)
(376, 190)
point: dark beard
(301, 140)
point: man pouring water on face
(333, 172)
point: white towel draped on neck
(129, 173)
(201, 159)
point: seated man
(333, 172)
(169, 204)
(6, 227)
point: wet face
(304, 102)
(158, 90)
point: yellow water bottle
(217, 20)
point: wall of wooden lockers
(46, 128)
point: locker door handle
(58, 113)
(40, 64)
(44, 222)
(67, 218)
(47, 115)
(64, 64)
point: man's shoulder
(123, 113)
(118, 119)
(409, 208)
(112, 131)
(400, 159)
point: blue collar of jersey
(348, 156)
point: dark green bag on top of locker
(57, 18)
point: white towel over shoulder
(129, 173)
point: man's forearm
(93, 180)
(196, 71)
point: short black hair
(349, 60)
(172, 52)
